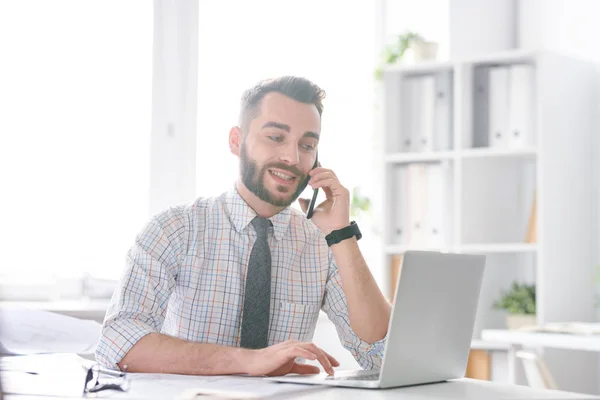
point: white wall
(568, 26)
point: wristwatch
(344, 233)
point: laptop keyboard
(369, 377)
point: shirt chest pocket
(294, 321)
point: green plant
(520, 299)
(359, 202)
(395, 51)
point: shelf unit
(484, 194)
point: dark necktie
(257, 298)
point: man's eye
(307, 147)
(275, 138)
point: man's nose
(290, 154)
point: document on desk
(63, 375)
(187, 387)
(30, 331)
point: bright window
(75, 106)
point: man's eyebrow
(273, 124)
(313, 135)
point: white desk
(457, 389)
(539, 339)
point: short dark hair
(297, 88)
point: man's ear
(235, 140)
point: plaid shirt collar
(241, 214)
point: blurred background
(458, 125)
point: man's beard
(254, 180)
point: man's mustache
(293, 169)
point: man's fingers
(305, 369)
(310, 351)
(335, 187)
(332, 359)
(322, 358)
(322, 175)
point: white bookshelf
(487, 190)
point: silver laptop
(431, 326)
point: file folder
(400, 203)
(426, 113)
(480, 107)
(521, 106)
(498, 107)
(434, 225)
(442, 132)
(417, 186)
(407, 113)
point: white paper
(29, 331)
(63, 375)
(189, 387)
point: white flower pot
(424, 51)
(517, 321)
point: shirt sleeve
(368, 355)
(139, 302)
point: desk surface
(542, 339)
(457, 389)
(461, 389)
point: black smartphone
(311, 205)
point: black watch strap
(344, 233)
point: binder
(443, 112)
(434, 225)
(425, 113)
(401, 231)
(417, 197)
(521, 106)
(407, 115)
(498, 107)
(480, 107)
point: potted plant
(394, 52)
(519, 302)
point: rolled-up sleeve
(368, 355)
(139, 302)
